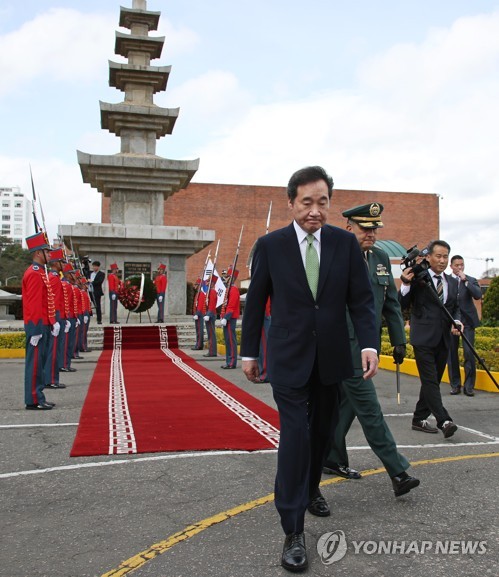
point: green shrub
(13, 340)
(220, 336)
(486, 345)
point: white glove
(223, 322)
(78, 322)
(206, 318)
(160, 299)
(67, 327)
(195, 317)
(85, 319)
(34, 340)
(113, 297)
(56, 327)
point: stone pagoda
(137, 181)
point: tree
(490, 307)
(14, 260)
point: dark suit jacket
(465, 296)
(429, 323)
(100, 277)
(303, 328)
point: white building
(17, 221)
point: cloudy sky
(387, 95)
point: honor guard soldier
(56, 342)
(80, 327)
(197, 314)
(209, 317)
(113, 285)
(87, 313)
(228, 318)
(359, 398)
(71, 318)
(160, 283)
(39, 321)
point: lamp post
(8, 279)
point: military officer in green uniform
(359, 397)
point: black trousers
(431, 363)
(98, 311)
(469, 361)
(307, 416)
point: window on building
(5, 216)
(5, 203)
(18, 204)
(18, 217)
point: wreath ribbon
(141, 292)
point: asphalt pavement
(212, 514)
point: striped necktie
(312, 265)
(440, 288)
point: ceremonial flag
(219, 285)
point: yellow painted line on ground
(159, 548)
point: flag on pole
(219, 285)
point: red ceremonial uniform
(68, 297)
(113, 282)
(38, 315)
(233, 305)
(160, 283)
(56, 285)
(212, 302)
(38, 298)
(199, 301)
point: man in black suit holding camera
(428, 291)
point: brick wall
(409, 218)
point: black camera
(420, 269)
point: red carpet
(146, 399)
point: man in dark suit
(312, 274)
(97, 277)
(359, 398)
(468, 289)
(427, 293)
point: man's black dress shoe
(403, 483)
(209, 355)
(423, 426)
(196, 348)
(345, 472)
(49, 403)
(55, 386)
(227, 367)
(448, 429)
(318, 506)
(69, 370)
(39, 407)
(77, 357)
(468, 393)
(294, 553)
(456, 391)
